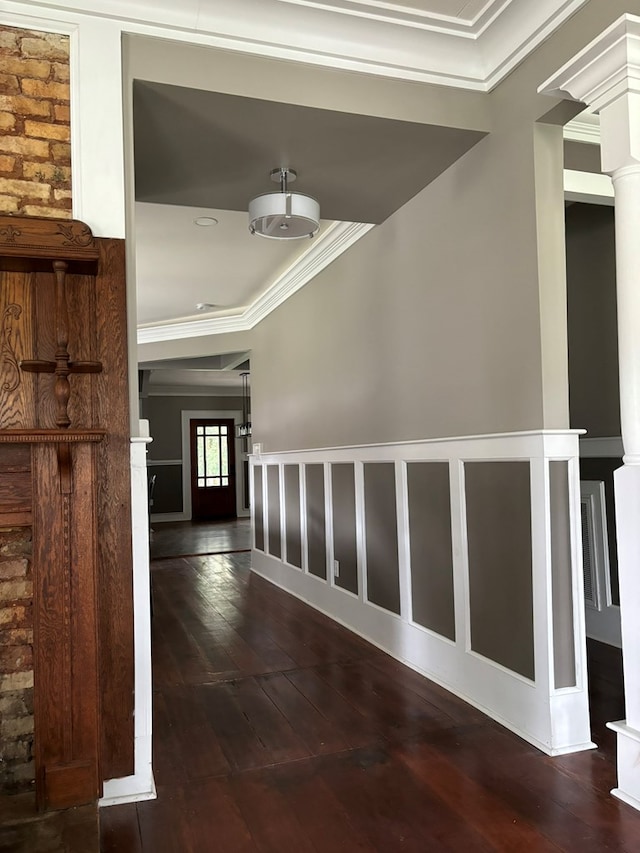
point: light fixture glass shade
(284, 216)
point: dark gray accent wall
(165, 419)
(381, 531)
(167, 491)
(345, 550)
(594, 397)
(258, 517)
(432, 595)
(498, 504)
(564, 655)
(274, 536)
(602, 469)
(316, 526)
(582, 157)
(292, 515)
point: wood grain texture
(17, 398)
(66, 703)
(15, 491)
(47, 238)
(64, 309)
(111, 409)
(320, 742)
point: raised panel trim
(554, 720)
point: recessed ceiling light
(204, 306)
(205, 220)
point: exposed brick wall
(16, 662)
(35, 148)
(35, 180)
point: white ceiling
(179, 263)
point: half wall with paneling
(460, 557)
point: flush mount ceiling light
(284, 215)
(205, 221)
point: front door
(213, 470)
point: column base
(628, 789)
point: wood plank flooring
(196, 538)
(277, 730)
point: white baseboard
(129, 789)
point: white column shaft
(627, 194)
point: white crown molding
(607, 68)
(589, 187)
(323, 251)
(403, 45)
(584, 128)
(406, 15)
(518, 31)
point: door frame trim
(188, 415)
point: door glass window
(212, 455)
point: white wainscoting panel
(554, 720)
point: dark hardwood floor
(180, 538)
(277, 730)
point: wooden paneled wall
(77, 495)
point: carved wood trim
(50, 436)
(36, 237)
(80, 486)
(7, 352)
(62, 366)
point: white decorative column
(606, 76)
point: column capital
(605, 70)
(605, 75)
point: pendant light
(284, 215)
(244, 429)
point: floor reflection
(197, 538)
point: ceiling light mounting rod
(284, 177)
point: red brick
(61, 152)
(26, 67)
(8, 39)
(61, 112)
(45, 130)
(7, 121)
(48, 46)
(61, 72)
(21, 106)
(16, 659)
(42, 89)
(17, 568)
(9, 84)
(8, 204)
(16, 615)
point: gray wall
(594, 396)
(429, 499)
(500, 563)
(450, 317)
(429, 326)
(582, 157)
(165, 426)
